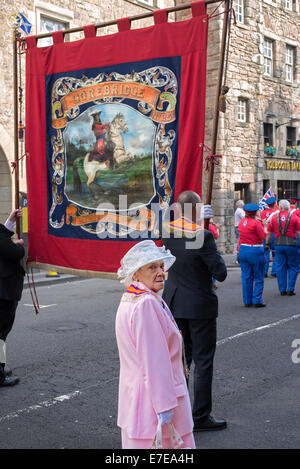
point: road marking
(48, 403)
(71, 395)
(51, 402)
(256, 329)
(40, 306)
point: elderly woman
(152, 385)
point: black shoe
(8, 372)
(283, 293)
(274, 275)
(210, 424)
(290, 293)
(247, 305)
(266, 276)
(260, 305)
(9, 381)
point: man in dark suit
(189, 294)
(11, 286)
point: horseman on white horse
(102, 150)
(108, 150)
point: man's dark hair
(188, 197)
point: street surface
(67, 361)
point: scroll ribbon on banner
(113, 89)
(144, 221)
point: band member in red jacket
(264, 216)
(294, 205)
(285, 225)
(251, 256)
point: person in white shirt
(238, 215)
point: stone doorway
(5, 187)
(242, 192)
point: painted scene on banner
(109, 152)
(110, 133)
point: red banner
(113, 127)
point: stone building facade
(46, 16)
(259, 134)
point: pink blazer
(151, 371)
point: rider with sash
(100, 131)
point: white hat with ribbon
(141, 254)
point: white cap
(207, 212)
(141, 254)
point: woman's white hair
(240, 203)
(284, 205)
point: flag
(262, 203)
(24, 23)
(113, 138)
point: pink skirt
(137, 443)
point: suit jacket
(152, 379)
(188, 290)
(11, 272)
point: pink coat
(151, 371)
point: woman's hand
(14, 214)
(19, 241)
(166, 417)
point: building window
(150, 3)
(287, 189)
(290, 136)
(290, 63)
(268, 57)
(266, 185)
(49, 25)
(242, 192)
(288, 4)
(239, 10)
(242, 110)
(268, 134)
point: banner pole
(174, 9)
(216, 110)
(16, 139)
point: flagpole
(216, 110)
(174, 9)
(16, 139)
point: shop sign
(284, 165)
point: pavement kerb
(40, 278)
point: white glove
(166, 417)
(207, 211)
